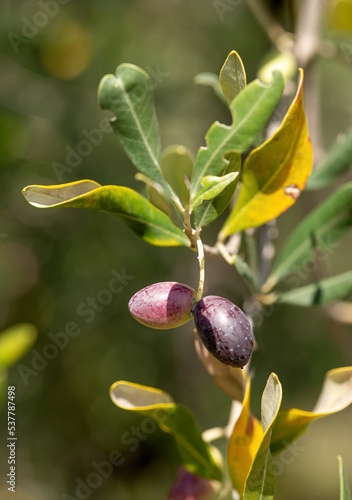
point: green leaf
(213, 186)
(156, 194)
(210, 80)
(232, 76)
(171, 418)
(336, 163)
(260, 481)
(210, 210)
(137, 212)
(336, 394)
(345, 493)
(128, 94)
(15, 342)
(322, 229)
(250, 110)
(177, 165)
(320, 293)
(275, 173)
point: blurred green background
(53, 261)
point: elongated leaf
(171, 418)
(336, 394)
(128, 94)
(320, 293)
(250, 111)
(243, 444)
(336, 163)
(210, 80)
(260, 481)
(275, 173)
(213, 186)
(15, 342)
(156, 194)
(177, 165)
(142, 217)
(232, 76)
(345, 493)
(210, 210)
(322, 229)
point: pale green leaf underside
(322, 229)
(251, 110)
(320, 293)
(213, 186)
(137, 212)
(345, 493)
(336, 163)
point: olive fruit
(224, 330)
(163, 305)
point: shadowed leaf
(137, 212)
(232, 76)
(172, 418)
(322, 229)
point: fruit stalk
(201, 261)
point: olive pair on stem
(222, 326)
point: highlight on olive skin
(224, 330)
(163, 305)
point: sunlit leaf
(260, 481)
(172, 418)
(336, 394)
(137, 212)
(321, 292)
(251, 110)
(210, 210)
(213, 186)
(177, 165)
(321, 230)
(345, 493)
(243, 444)
(210, 80)
(15, 342)
(229, 379)
(128, 94)
(232, 76)
(274, 174)
(336, 163)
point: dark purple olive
(224, 330)
(163, 305)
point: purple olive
(224, 330)
(163, 305)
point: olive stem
(201, 260)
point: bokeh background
(53, 261)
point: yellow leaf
(243, 444)
(336, 394)
(275, 173)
